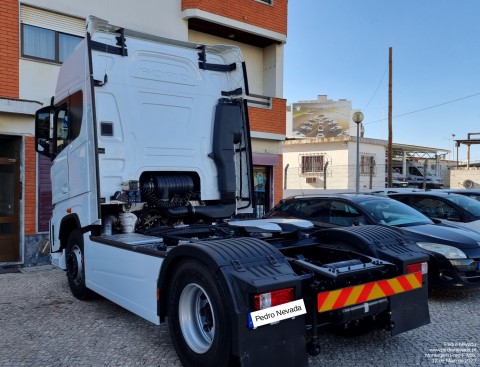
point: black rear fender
(382, 242)
(245, 267)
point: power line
(427, 108)
(377, 88)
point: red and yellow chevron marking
(367, 292)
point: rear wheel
(198, 317)
(76, 266)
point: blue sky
(340, 48)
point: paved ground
(41, 324)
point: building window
(312, 164)
(44, 44)
(365, 162)
(311, 180)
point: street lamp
(358, 118)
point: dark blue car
(454, 251)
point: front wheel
(198, 317)
(76, 266)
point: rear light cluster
(275, 298)
(415, 268)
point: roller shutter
(55, 22)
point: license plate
(272, 315)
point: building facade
(313, 166)
(38, 36)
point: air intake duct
(227, 131)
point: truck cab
(136, 114)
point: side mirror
(42, 132)
(454, 217)
(360, 222)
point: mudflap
(281, 344)
(409, 310)
(292, 354)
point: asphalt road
(42, 324)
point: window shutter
(55, 22)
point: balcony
(259, 23)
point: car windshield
(421, 171)
(393, 213)
(470, 205)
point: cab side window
(68, 120)
(433, 207)
(344, 214)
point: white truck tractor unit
(414, 174)
(150, 146)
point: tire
(76, 266)
(195, 298)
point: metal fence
(335, 177)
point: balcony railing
(256, 100)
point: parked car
(447, 207)
(343, 133)
(320, 116)
(332, 122)
(336, 128)
(414, 175)
(308, 123)
(391, 190)
(398, 180)
(474, 194)
(306, 128)
(320, 128)
(298, 133)
(320, 135)
(454, 252)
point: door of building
(9, 198)
(262, 190)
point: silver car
(298, 133)
(320, 128)
(332, 123)
(336, 128)
(306, 128)
(320, 135)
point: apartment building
(38, 35)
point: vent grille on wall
(55, 22)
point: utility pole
(390, 150)
(453, 145)
(383, 110)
